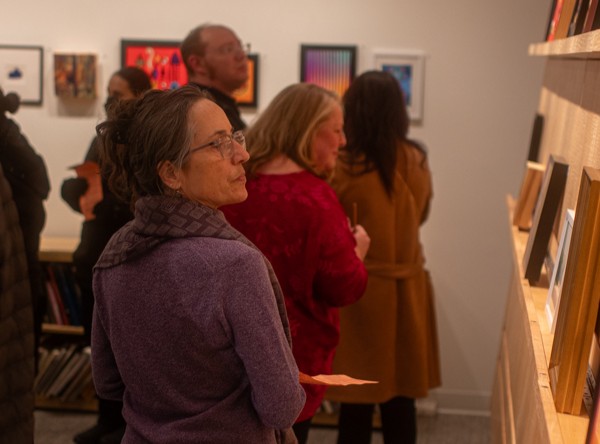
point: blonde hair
(288, 124)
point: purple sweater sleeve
(259, 340)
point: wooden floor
(59, 428)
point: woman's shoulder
(415, 153)
(216, 251)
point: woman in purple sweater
(189, 327)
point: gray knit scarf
(161, 218)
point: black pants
(301, 430)
(398, 422)
(109, 412)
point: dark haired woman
(189, 327)
(110, 214)
(390, 334)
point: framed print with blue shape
(408, 67)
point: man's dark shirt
(228, 105)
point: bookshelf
(523, 407)
(64, 378)
(522, 401)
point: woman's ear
(169, 175)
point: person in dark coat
(27, 176)
(110, 214)
(16, 327)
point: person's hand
(363, 241)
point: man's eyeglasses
(225, 144)
(233, 48)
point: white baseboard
(455, 402)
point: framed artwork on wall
(160, 59)
(331, 67)
(408, 67)
(544, 215)
(578, 310)
(21, 72)
(247, 96)
(75, 76)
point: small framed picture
(161, 59)
(247, 95)
(21, 72)
(408, 67)
(544, 215)
(577, 317)
(330, 67)
(530, 189)
(75, 76)
(558, 273)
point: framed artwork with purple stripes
(329, 66)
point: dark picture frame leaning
(544, 215)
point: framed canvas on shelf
(554, 18)
(588, 23)
(161, 59)
(530, 189)
(546, 208)
(564, 19)
(536, 138)
(578, 19)
(579, 299)
(593, 372)
(22, 72)
(331, 67)
(408, 67)
(558, 274)
(593, 431)
(247, 96)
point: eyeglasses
(233, 48)
(225, 144)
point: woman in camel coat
(390, 334)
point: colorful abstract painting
(331, 67)
(160, 59)
(247, 95)
(75, 75)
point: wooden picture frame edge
(580, 297)
(528, 194)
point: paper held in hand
(333, 380)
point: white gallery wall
(481, 92)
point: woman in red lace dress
(293, 216)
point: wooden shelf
(55, 329)
(84, 405)
(57, 249)
(580, 46)
(522, 402)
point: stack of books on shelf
(64, 373)
(64, 299)
(572, 17)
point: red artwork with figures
(160, 59)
